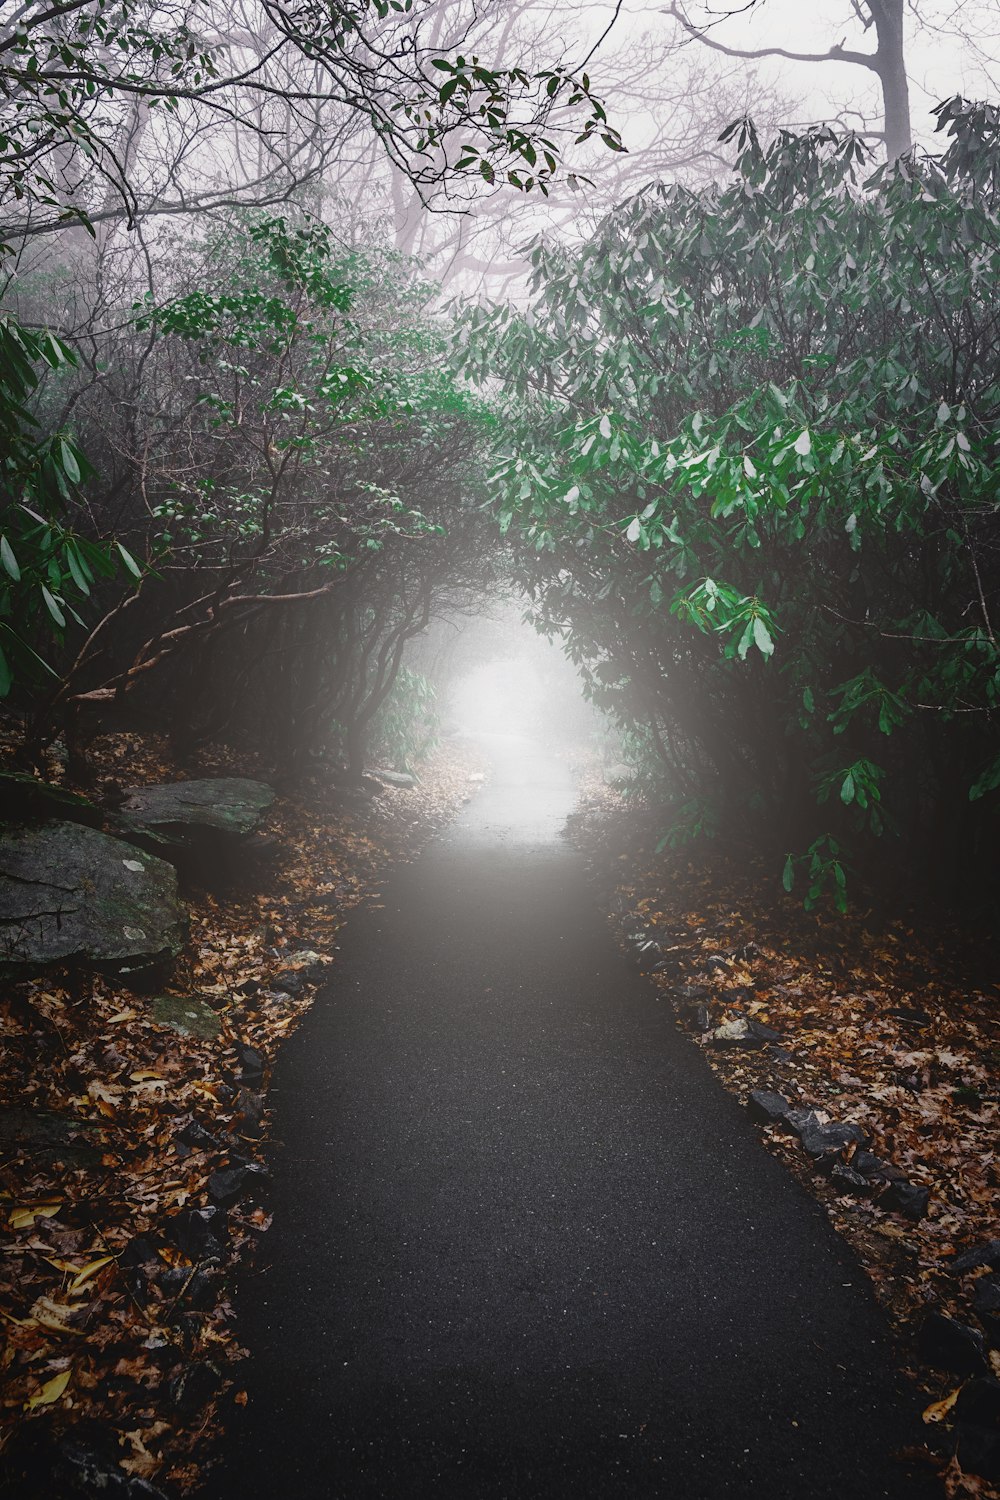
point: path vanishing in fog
(524, 1244)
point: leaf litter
(133, 1184)
(876, 1026)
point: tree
(282, 447)
(755, 481)
(889, 21)
(82, 79)
(886, 59)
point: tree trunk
(891, 69)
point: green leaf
(6, 675)
(803, 443)
(762, 637)
(74, 563)
(848, 789)
(53, 608)
(70, 466)
(9, 560)
(129, 561)
(788, 874)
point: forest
(328, 329)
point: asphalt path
(525, 1247)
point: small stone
(987, 1304)
(692, 992)
(197, 1137)
(195, 1288)
(716, 962)
(768, 1108)
(874, 1168)
(949, 1345)
(199, 1233)
(229, 1184)
(288, 982)
(138, 1252)
(249, 1112)
(194, 1386)
(742, 1032)
(251, 1062)
(401, 779)
(987, 1295)
(77, 1472)
(820, 1140)
(911, 1016)
(647, 956)
(906, 1198)
(987, 1253)
(844, 1177)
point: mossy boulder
(227, 805)
(25, 798)
(187, 1015)
(69, 893)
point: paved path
(524, 1244)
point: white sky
(941, 61)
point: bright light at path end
(500, 697)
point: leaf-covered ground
(880, 1026)
(131, 1131)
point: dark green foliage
(48, 567)
(756, 477)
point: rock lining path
(524, 1244)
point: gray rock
(401, 779)
(187, 1015)
(619, 774)
(875, 1169)
(251, 1062)
(820, 1140)
(906, 1198)
(68, 892)
(696, 1015)
(986, 1301)
(231, 805)
(949, 1345)
(199, 1233)
(768, 1108)
(987, 1294)
(25, 798)
(985, 1254)
(742, 1032)
(229, 1184)
(647, 956)
(846, 1180)
(37, 1466)
(289, 982)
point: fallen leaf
(50, 1391)
(87, 1271)
(938, 1410)
(24, 1217)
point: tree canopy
(754, 483)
